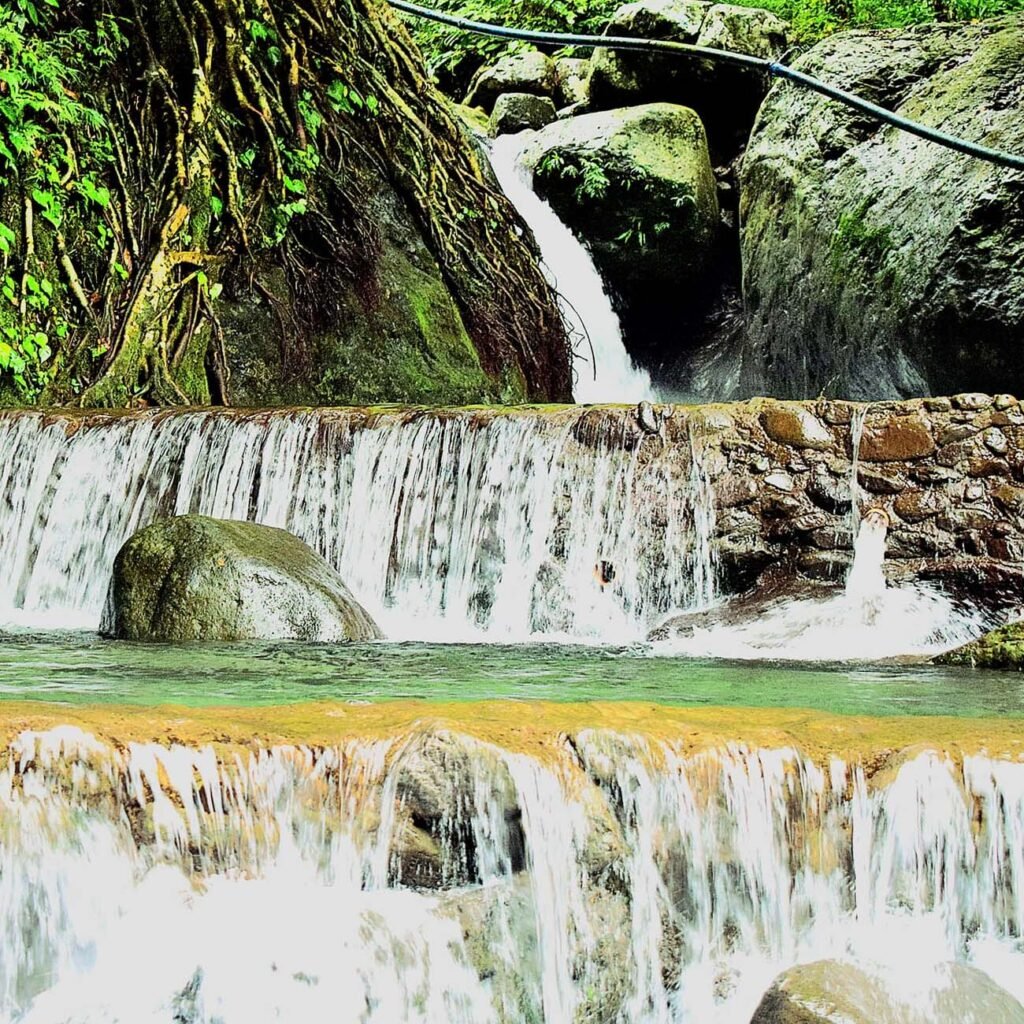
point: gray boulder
(195, 578)
(571, 78)
(829, 992)
(516, 111)
(878, 265)
(530, 72)
(637, 186)
(726, 97)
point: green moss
(1002, 648)
(860, 249)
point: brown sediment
(532, 727)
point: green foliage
(41, 113)
(448, 49)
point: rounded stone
(195, 578)
(796, 426)
(517, 111)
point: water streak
(609, 375)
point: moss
(1002, 648)
(857, 247)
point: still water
(81, 668)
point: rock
(830, 992)
(1010, 499)
(957, 432)
(572, 81)
(195, 578)
(1002, 648)
(636, 185)
(880, 481)
(972, 402)
(995, 441)
(896, 438)
(516, 111)
(733, 490)
(531, 72)
(875, 265)
(934, 475)
(830, 493)
(780, 481)
(726, 98)
(916, 506)
(1004, 402)
(797, 427)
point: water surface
(80, 668)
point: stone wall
(948, 471)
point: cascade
(612, 877)
(610, 375)
(447, 525)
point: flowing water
(462, 526)
(643, 872)
(608, 374)
(615, 878)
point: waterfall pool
(79, 668)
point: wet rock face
(878, 265)
(195, 578)
(830, 992)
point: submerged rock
(1002, 648)
(878, 265)
(830, 992)
(195, 578)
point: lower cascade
(425, 875)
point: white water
(453, 526)
(658, 887)
(867, 620)
(610, 375)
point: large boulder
(726, 97)
(195, 578)
(829, 992)
(878, 265)
(531, 71)
(637, 186)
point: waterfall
(609, 375)
(612, 877)
(446, 525)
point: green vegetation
(453, 54)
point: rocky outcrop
(875, 264)
(636, 185)
(726, 97)
(195, 578)
(1001, 648)
(830, 992)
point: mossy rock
(877, 265)
(195, 578)
(1002, 648)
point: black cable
(773, 68)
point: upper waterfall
(448, 525)
(609, 375)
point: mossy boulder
(830, 992)
(516, 111)
(195, 578)
(726, 97)
(636, 185)
(1002, 648)
(877, 265)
